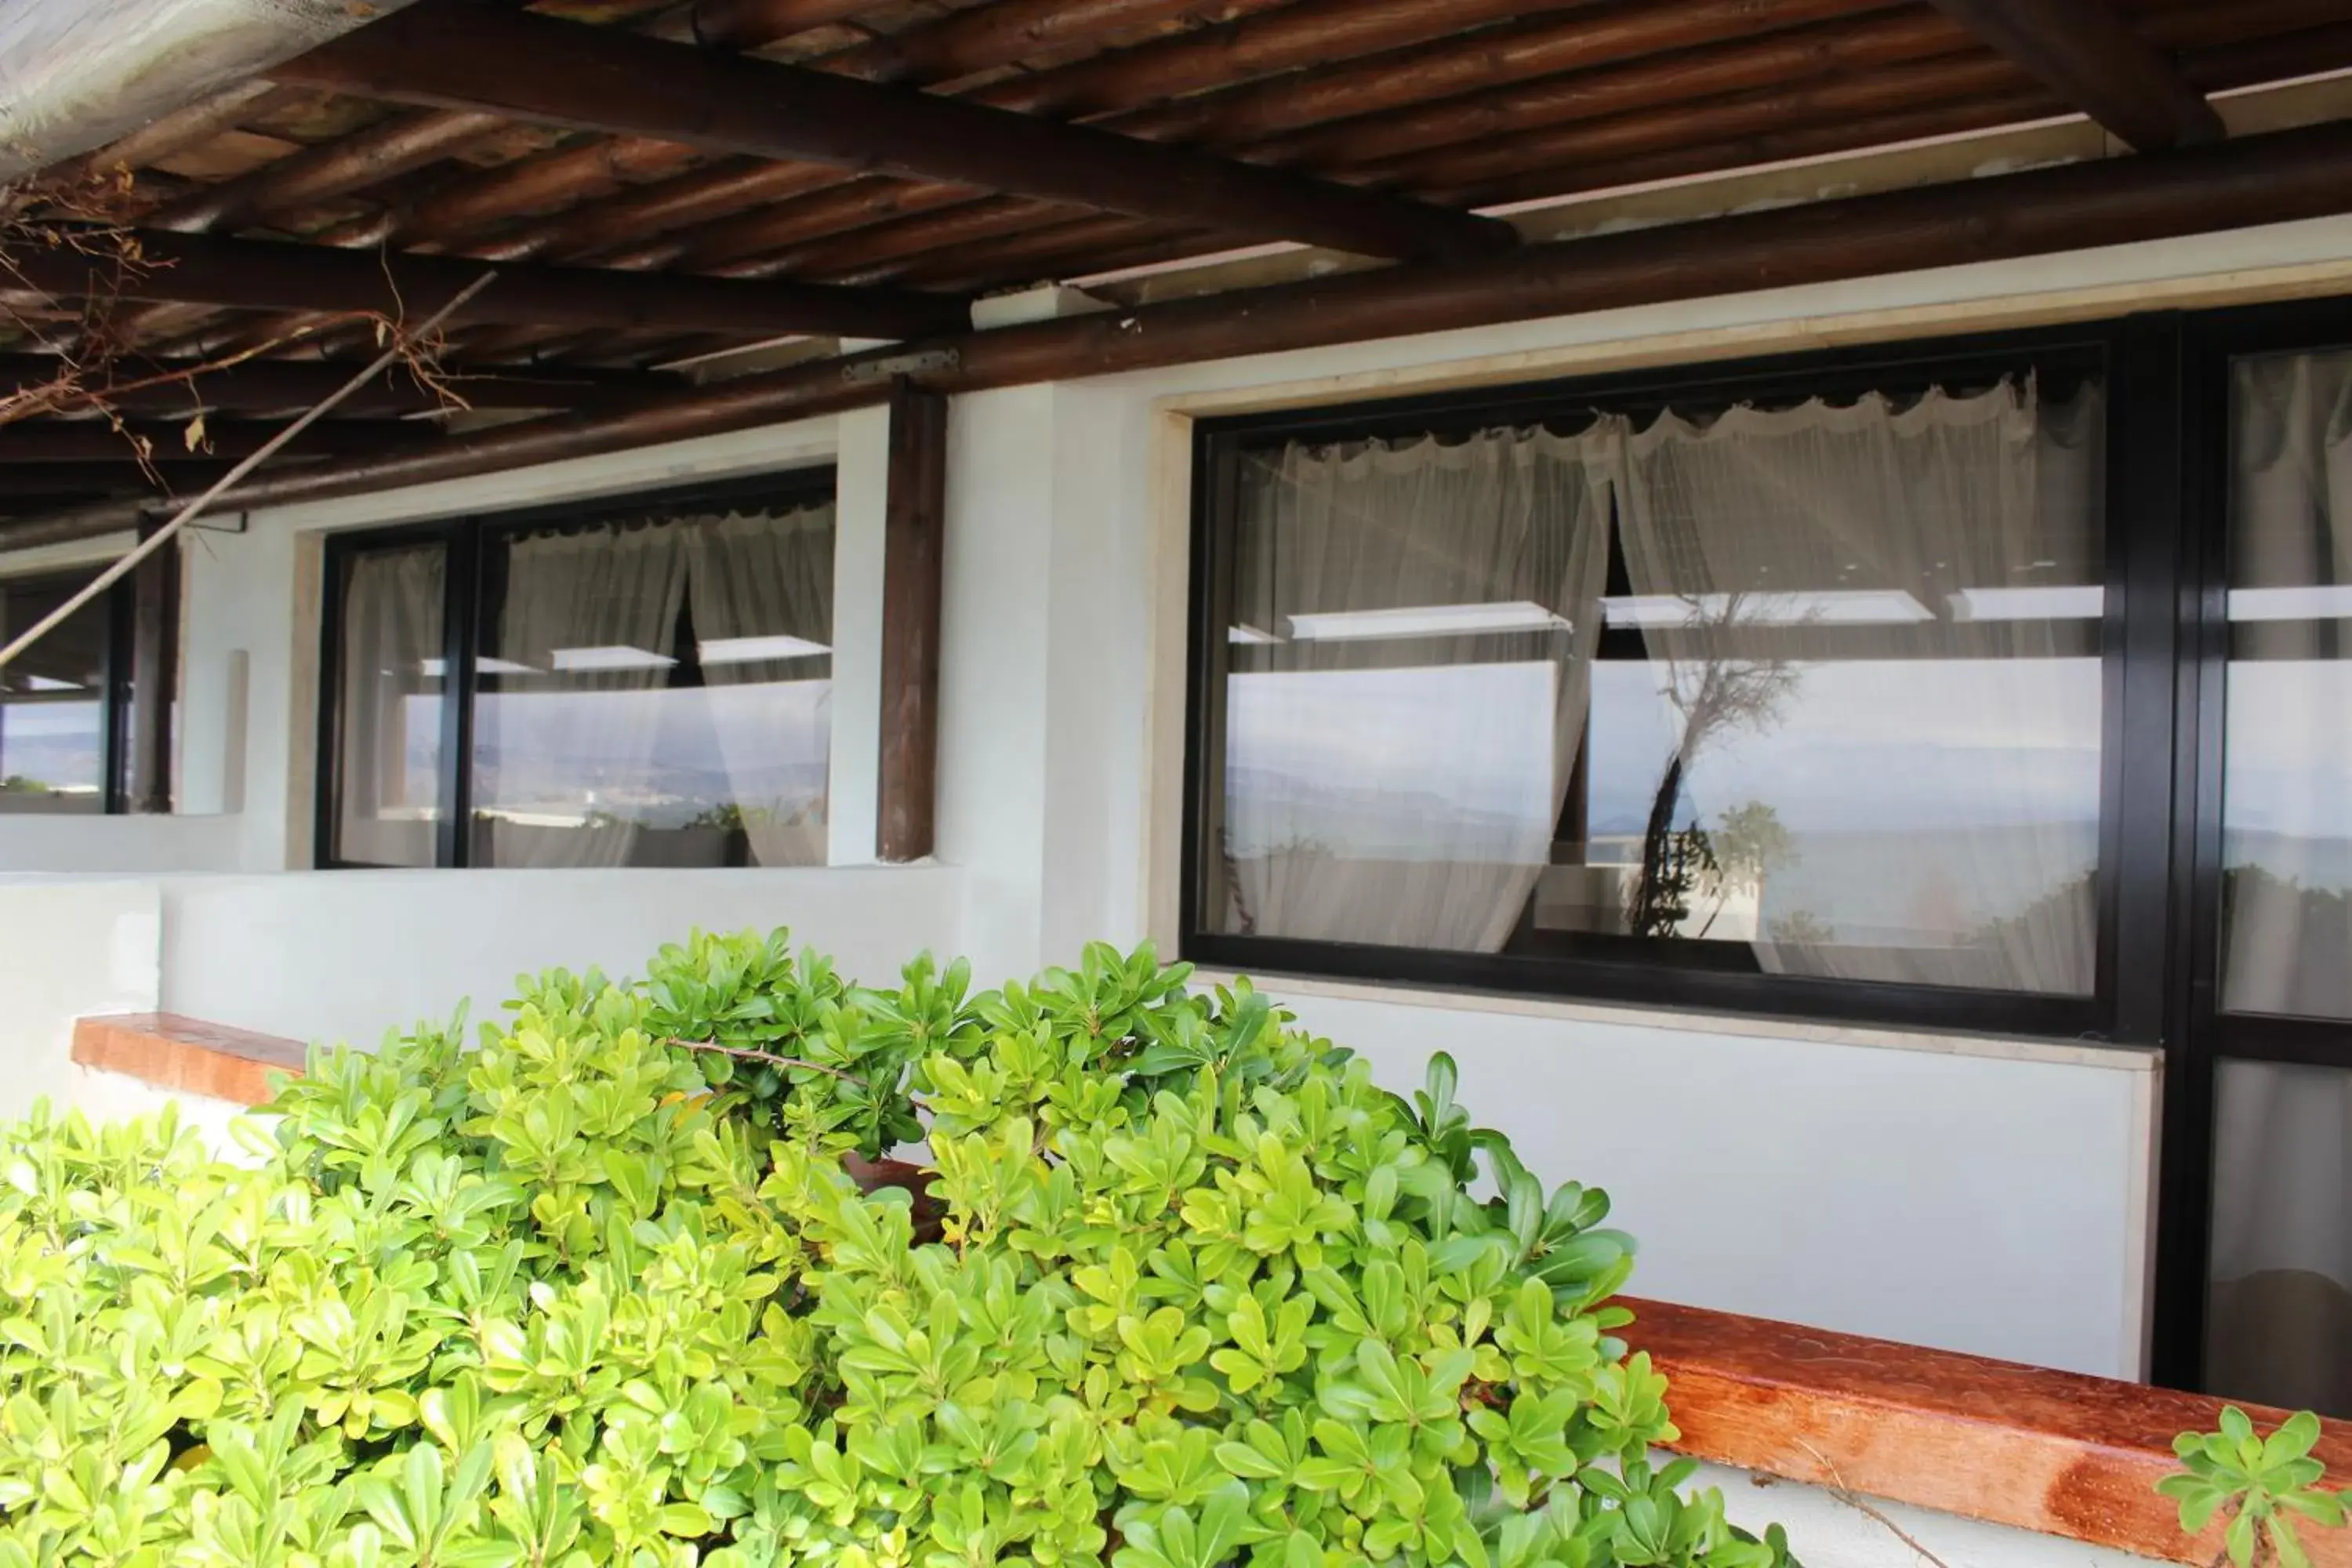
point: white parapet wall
(1828, 1529)
(68, 950)
(42, 843)
(345, 955)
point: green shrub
(597, 1291)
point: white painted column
(1043, 687)
(860, 493)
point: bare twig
(236, 475)
(1863, 1506)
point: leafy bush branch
(1204, 1294)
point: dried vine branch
(269, 448)
(94, 338)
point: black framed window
(2274, 1014)
(1784, 686)
(63, 701)
(641, 681)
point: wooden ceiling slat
(1539, 134)
(268, 275)
(461, 56)
(2244, 182)
(960, 45)
(1311, 32)
(2094, 60)
(1666, 80)
(1550, 127)
(1331, 99)
(1237, 121)
(1794, 56)
(403, 143)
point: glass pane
(53, 702)
(658, 693)
(388, 718)
(2287, 769)
(1833, 708)
(2279, 1312)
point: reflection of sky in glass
(760, 745)
(1363, 760)
(1920, 794)
(2287, 788)
(2289, 749)
(1869, 744)
(60, 744)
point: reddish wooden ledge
(2053, 1452)
(186, 1055)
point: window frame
(469, 541)
(1611, 970)
(2199, 1035)
(115, 678)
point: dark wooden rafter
(1667, 115)
(147, 386)
(913, 553)
(1420, 54)
(2253, 180)
(268, 275)
(2089, 54)
(966, 42)
(166, 442)
(458, 55)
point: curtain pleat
(769, 575)
(392, 625)
(1393, 787)
(1778, 551)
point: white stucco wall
(1971, 1195)
(66, 950)
(1827, 1530)
(148, 845)
(1974, 1195)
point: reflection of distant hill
(2312, 862)
(1268, 811)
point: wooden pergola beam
(2253, 179)
(457, 55)
(266, 275)
(2091, 56)
(148, 386)
(96, 441)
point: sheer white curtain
(390, 707)
(1825, 572)
(2287, 941)
(2279, 1314)
(593, 614)
(2279, 1326)
(760, 587)
(1414, 629)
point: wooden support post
(914, 518)
(154, 687)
